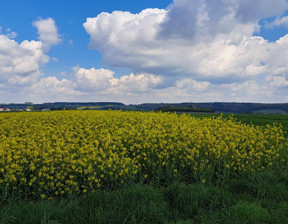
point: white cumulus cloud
(48, 32)
(202, 39)
(135, 83)
(198, 45)
(20, 63)
(103, 81)
(87, 80)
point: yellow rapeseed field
(54, 154)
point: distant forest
(219, 107)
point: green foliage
(245, 200)
(180, 109)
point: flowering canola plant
(55, 154)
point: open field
(256, 119)
(142, 168)
(263, 120)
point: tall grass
(255, 198)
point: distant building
(1, 109)
(8, 109)
(43, 110)
(28, 109)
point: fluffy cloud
(209, 17)
(102, 81)
(204, 40)
(52, 84)
(135, 83)
(20, 63)
(102, 85)
(94, 84)
(87, 80)
(139, 88)
(52, 89)
(48, 32)
(123, 37)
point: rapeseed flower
(73, 152)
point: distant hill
(184, 109)
(219, 107)
(245, 107)
(222, 107)
(66, 105)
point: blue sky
(144, 51)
